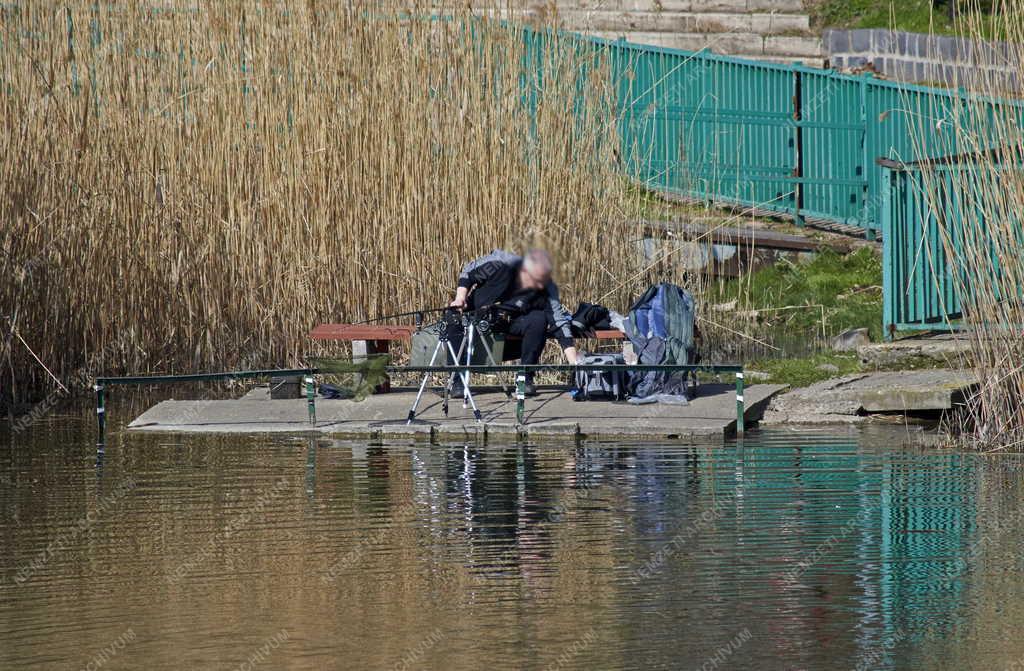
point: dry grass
(987, 249)
(194, 189)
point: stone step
(748, 44)
(696, 6)
(808, 61)
(780, 49)
(792, 45)
(864, 393)
(683, 22)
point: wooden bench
(370, 339)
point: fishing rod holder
(475, 327)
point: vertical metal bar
(101, 412)
(867, 166)
(470, 336)
(891, 238)
(798, 144)
(740, 412)
(520, 396)
(311, 399)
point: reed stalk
(979, 202)
(193, 186)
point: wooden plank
(612, 334)
(754, 237)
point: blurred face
(534, 275)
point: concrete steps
(852, 398)
(693, 6)
(772, 30)
(772, 48)
(682, 22)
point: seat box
(425, 342)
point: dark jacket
(493, 280)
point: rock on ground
(847, 341)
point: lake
(833, 549)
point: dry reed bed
(194, 189)
(980, 203)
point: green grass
(821, 298)
(805, 371)
(792, 303)
(916, 16)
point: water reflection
(810, 550)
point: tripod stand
(472, 325)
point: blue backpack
(661, 326)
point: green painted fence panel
(918, 289)
(834, 156)
(931, 215)
(706, 127)
(779, 138)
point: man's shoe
(530, 389)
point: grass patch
(818, 299)
(916, 16)
(804, 371)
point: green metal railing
(520, 371)
(103, 382)
(783, 139)
(934, 223)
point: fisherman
(521, 287)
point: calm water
(821, 550)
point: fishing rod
(412, 313)
(418, 314)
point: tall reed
(979, 200)
(194, 185)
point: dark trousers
(531, 327)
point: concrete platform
(854, 397)
(711, 417)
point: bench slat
(361, 332)
(609, 334)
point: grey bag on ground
(600, 384)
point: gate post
(798, 144)
(740, 410)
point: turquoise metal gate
(949, 229)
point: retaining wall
(927, 59)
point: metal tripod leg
(423, 384)
(451, 379)
(467, 394)
(471, 335)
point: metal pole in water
(520, 396)
(101, 412)
(310, 397)
(739, 404)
